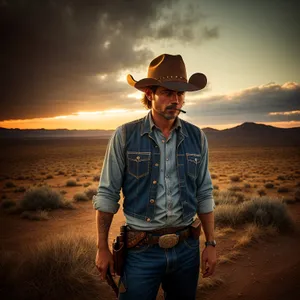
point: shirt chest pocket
(138, 163)
(193, 164)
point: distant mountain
(53, 133)
(246, 134)
(252, 134)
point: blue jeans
(177, 269)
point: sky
(64, 62)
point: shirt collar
(177, 123)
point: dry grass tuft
(90, 192)
(260, 211)
(80, 197)
(60, 268)
(253, 234)
(40, 215)
(210, 283)
(230, 257)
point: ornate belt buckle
(168, 240)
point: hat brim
(196, 82)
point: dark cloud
(253, 104)
(51, 50)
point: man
(161, 164)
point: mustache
(174, 107)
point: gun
(112, 283)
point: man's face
(167, 102)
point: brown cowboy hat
(169, 71)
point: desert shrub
(61, 173)
(234, 188)
(261, 192)
(86, 184)
(96, 178)
(283, 190)
(80, 197)
(269, 185)
(20, 177)
(228, 197)
(59, 268)
(281, 177)
(247, 185)
(49, 176)
(41, 198)
(215, 187)
(235, 178)
(90, 193)
(40, 215)
(260, 211)
(267, 212)
(7, 204)
(71, 182)
(3, 196)
(9, 184)
(20, 189)
(227, 215)
(214, 176)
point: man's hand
(208, 261)
(104, 260)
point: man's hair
(145, 101)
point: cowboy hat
(169, 71)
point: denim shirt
(133, 163)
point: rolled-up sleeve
(205, 199)
(108, 193)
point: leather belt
(165, 237)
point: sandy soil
(269, 269)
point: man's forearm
(208, 225)
(103, 221)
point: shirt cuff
(105, 205)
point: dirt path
(267, 270)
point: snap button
(137, 157)
(156, 165)
(152, 201)
(154, 182)
(148, 220)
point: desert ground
(254, 262)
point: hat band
(171, 77)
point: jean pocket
(191, 243)
(138, 163)
(193, 164)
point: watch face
(211, 243)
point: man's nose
(175, 98)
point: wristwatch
(211, 243)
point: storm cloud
(266, 103)
(53, 53)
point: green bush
(40, 198)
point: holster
(119, 251)
(195, 229)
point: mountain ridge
(245, 134)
